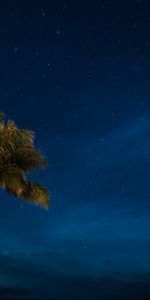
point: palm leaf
(18, 156)
(36, 194)
(18, 137)
(12, 179)
(28, 159)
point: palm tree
(18, 157)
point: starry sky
(77, 73)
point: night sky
(77, 73)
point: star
(15, 49)
(43, 12)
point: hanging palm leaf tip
(17, 157)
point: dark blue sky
(77, 73)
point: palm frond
(28, 159)
(36, 194)
(18, 156)
(19, 137)
(12, 180)
(12, 138)
(23, 138)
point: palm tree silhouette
(18, 156)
